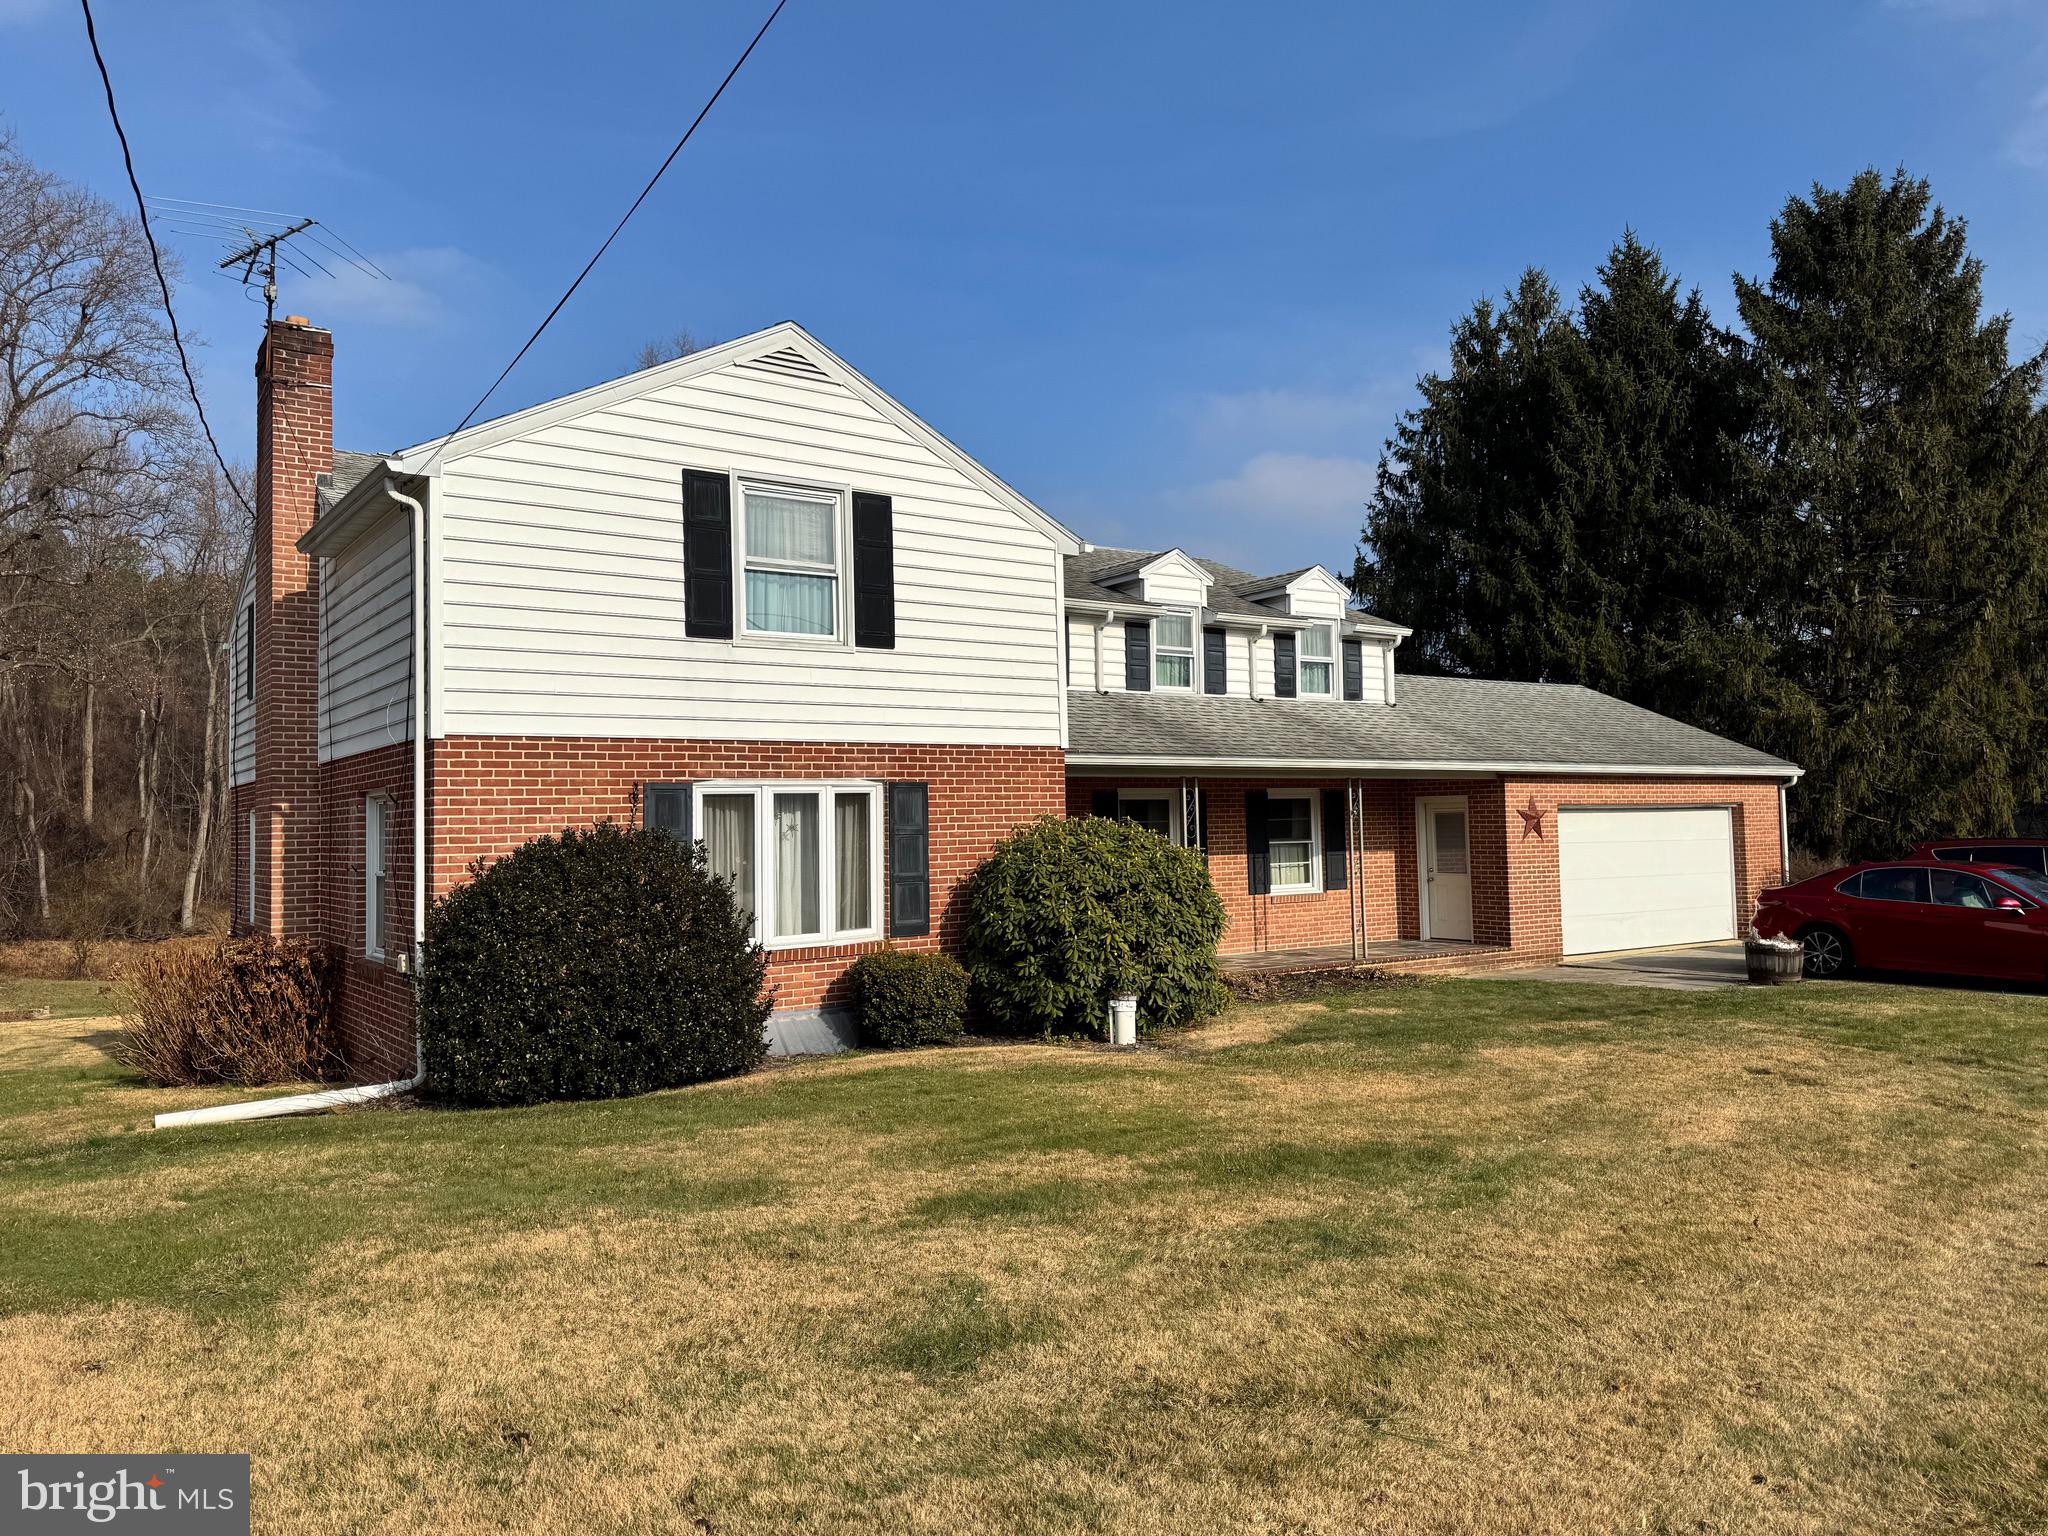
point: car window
(2027, 884)
(1895, 885)
(1955, 855)
(1852, 886)
(1953, 888)
(2023, 856)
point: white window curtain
(796, 865)
(729, 844)
(791, 531)
(854, 902)
(792, 556)
(1317, 660)
(1291, 846)
(1173, 651)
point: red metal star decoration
(1532, 818)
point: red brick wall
(490, 794)
(376, 997)
(294, 446)
(1515, 898)
(1537, 918)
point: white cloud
(2028, 144)
(427, 286)
(1273, 512)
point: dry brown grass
(1559, 1274)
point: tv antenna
(257, 240)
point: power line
(608, 239)
(156, 260)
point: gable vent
(789, 362)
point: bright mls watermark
(164, 1495)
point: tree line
(119, 549)
(1823, 532)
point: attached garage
(1638, 877)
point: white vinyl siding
(1246, 655)
(1640, 877)
(241, 708)
(559, 584)
(366, 642)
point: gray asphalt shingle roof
(1437, 720)
(349, 468)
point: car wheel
(1827, 952)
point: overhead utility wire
(608, 239)
(156, 260)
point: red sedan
(1916, 914)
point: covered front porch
(1321, 872)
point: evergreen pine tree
(1903, 479)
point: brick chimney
(294, 447)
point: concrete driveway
(1693, 968)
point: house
(748, 598)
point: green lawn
(64, 999)
(1471, 1256)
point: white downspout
(368, 1093)
(1784, 836)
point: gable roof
(785, 347)
(1089, 574)
(1448, 723)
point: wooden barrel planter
(1774, 962)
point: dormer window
(1318, 661)
(1173, 651)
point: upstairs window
(791, 554)
(1318, 660)
(1173, 651)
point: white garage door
(1637, 878)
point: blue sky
(1171, 269)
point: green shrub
(592, 965)
(909, 997)
(1067, 913)
(246, 1011)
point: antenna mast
(260, 255)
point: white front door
(1444, 835)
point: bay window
(1318, 660)
(1173, 650)
(1291, 846)
(804, 860)
(790, 551)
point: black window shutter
(1258, 843)
(1354, 669)
(910, 862)
(1283, 666)
(1137, 655)
(707, 556)
(1215, 662)
(1102, 803)
(874, 571)
(666, 808)
(248, 653)
(1336, 845)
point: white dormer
(1174, 579)
(1313, 593)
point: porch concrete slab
(1691, 968)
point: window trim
(1302, 661)
(1314, 797)
(841, 498)
(764, 792)
(1192, 650)
(376, 941)
(1173, 808)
